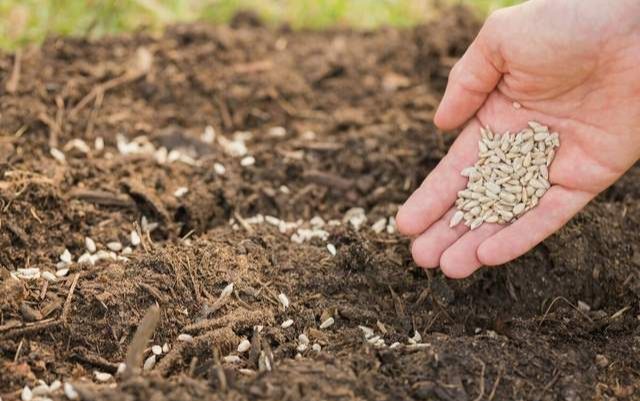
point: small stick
(243, 223)
(140, 339)
(12, 84)
(482, 369)
(495, 385)
(67, 303)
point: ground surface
(514, 333)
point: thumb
(473, 77)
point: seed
(187, 338)
(26, 394)
(49, 276)
(90, 245)
(526, 147)
(66, 256)
(149, 363)
(492, 187)
(493, 218)
(303, 339)
(316, 347)
(231, 359)
(156, 349)
(467, 172)
(518, 209)
(544, 171)
(219, 168)
(540, 136)
(58, 155)
(508, 197)
(102, 376)
(476, 223)
(287, 323)
(135, 238)
(332, 249)
(115, 246)
(247, 161)
(70, 392)
(456, 219)
(540, 192)
(327, 323)
(244, 346)
(283, 300)
(535, 183)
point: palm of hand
(587, 94)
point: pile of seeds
(509, 178)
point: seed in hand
(509, 178)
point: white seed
(283, 300)
(227, 290)
(62, 272)
(66, 256)
(327, 323)
(316, 347)
(379, 225)
(519, 208)
(115, 246)
(332, 249)
(122, 367)
(476, 223)
(303, 339)
(98, 144)
(90, 245)
(102, 376)
(456, 218)
(287, 323)
(156, 349)
(247, 161)
(244, 346)
(367, 331)
(187, 338)
(26, 394)
(165, 348)
(231, 359)
(492, 187)
(149, 363)
(70, 392)
(58, 155)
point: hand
(573, 65)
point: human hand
(573, 65)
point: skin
(573, 65)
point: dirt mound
(248, 155)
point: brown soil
(513, 333)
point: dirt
(560, 323)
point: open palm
(572, 65)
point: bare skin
(573, 65)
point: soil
(560, 323)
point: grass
(29, 21)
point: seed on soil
(247, 161)
(395, 345)
(134, 238)
(379, 225)
(209, 135)
(303, 339)
(70, 392)
(58, 155)
(62, 272)
(227, 290)
(287, 323)
(66, 256)
(327, 323)
(316, 347)
(231, 359)
(187, 338)
(55, 386)
(332, 249)
(121, 368)
(26, 394)
(102, 376)
(165, 348)
(367, 331)
(90, 244)
(98, 144)
(156, 349)
(283, 300)
(115, 246)
(244, 346)
(149, 363)
(219, 168)
(416, 338)
(509, 178)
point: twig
(67, 303)
(140, 339)
(12, 84)
(495, 384)
(481, 389)
(243, 223)
(561, 298)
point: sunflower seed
(287, 323)
(244, 346)
(283, 300)
(327, 323)
(456, 218)
(115, 246)
(149, 363)
(187, 338)
(90, 245)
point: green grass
(29, 21)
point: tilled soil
(560, 323)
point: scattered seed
(102, 376)
(227, 290)
(247, 161)
(49, 276)
(231, 359)
(327, 323)
(149, 363)
(303, 339)
(219, 168)
(156, 349)
(26, 394)
(379, 225)
(316, 347)
(121, 368)
(70, 392)
(66, 256)
(395, 345)
(209, 135)
(244, 346)
(62, 272)
(58, 155)
(98, 144)
(187, 338)
(90, 245)
(85, 258)
(283, 300)
(332, 249)
(115, 246)
(287, 323)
